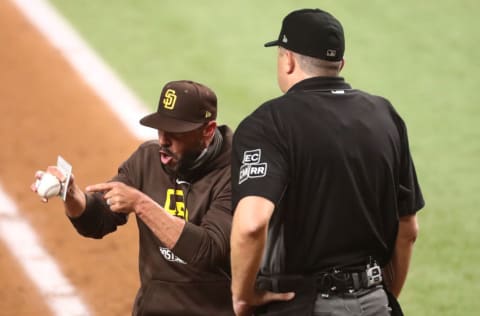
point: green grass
(422, 55)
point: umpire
(324, 188)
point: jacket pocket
(186, 298)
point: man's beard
(186, 162)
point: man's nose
(164, 138)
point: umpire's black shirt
(336, 163)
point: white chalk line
(101, 78)
(42, 269)
(15, 231)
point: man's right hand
(53, 170)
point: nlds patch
(251, 166)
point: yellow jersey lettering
(175, 205)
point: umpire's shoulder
(261, 113)
(375, 98)
(258, 122)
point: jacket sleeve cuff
(88, 216)
(190, 239)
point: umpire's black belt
(328, 283)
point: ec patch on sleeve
(251, 165)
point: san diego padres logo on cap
(169, 99)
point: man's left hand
(119, 196)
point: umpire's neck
(293, 68)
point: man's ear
(341, 65)
(209, 130)
(291, 62)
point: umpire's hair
(317, 67)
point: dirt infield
(46, 109)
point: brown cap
(184, 106)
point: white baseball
(48, 186)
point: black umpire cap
(312, 32)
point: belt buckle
(325, 285)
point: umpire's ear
(341, 65)
(291, 62)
